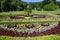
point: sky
(36, 0)
(58, 0)
(32, 0)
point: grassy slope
(48, 37)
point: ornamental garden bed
(23, 16)
(45, 24)
(17, 17)
(38, 16)
(15, 33)
(32, 16)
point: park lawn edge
(47, 37)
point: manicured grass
(13, 13)
(33, 12)
(8, 20)
(48, 37)
(32, 20)
(46, 12)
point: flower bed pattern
(38, 16)
(17, 17)
(54, 30)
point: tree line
(19, 5)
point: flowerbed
(55, 30)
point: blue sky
(32, 0)
(58, 0)
(36, 0)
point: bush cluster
(50, 7)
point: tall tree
(13, 5)
(0, 5)
(17, 5)
(54, 1)
(58, 3)
(50, 1)
(5, 5)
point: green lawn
(13, 13)
(8, 20)
(33, 12)
(48, 37)
(46, 12)
(31, 20)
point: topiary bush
(50, 7)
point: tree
(47, 2)
(12, 5)
(39, 6)
(54, 1)
(58, 3)
(0, 5)
(5, 5)
(25, 5)
(50, 7)
(18, 5)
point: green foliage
(50, 7)
(5, 5)
(58, 3)
(46, 1)
(1, 1)
(38, 6)
(0, 5)
(29, 10)
(0, 8)
(39, 9)
(12, 5)
(50, 1)
(18, 5)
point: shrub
(50, 7)
(39, 9)
(29, 10)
